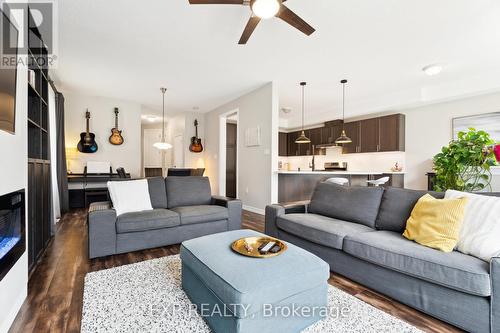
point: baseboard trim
(254, 210)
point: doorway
(228, 154)
(231, 153)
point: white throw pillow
(480, 233)
(130, 196)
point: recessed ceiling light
(432, 69)
(286, 110)
(196, 108)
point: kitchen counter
(339, 172)
(297, 185)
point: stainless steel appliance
(335, 166)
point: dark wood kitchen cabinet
(379, 134)
(293, 148)
(369, 135)
(283, 144)
(352, 131)
(392, 133)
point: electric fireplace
(12, 230)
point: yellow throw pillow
(436, 223)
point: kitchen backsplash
(355, 162)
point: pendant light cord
(343, 103)
(163, 116)
(303, 84)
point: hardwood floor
(55, 290)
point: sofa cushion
(391, 250)
(157, 192)
(355, 204)
(188, 191)
(201, 213)
(147, 220)
(396, 206)
(320, 229)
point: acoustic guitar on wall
(87, 142)
(116, 137)
(196, 146)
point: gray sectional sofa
(358, 231)
(183, 208)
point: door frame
(223, 152)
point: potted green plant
(464, 164)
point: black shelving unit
(39, 189)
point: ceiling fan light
(343, 138)
(302, 138)
(162, 145)
(265, 9)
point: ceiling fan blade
(294, 20)
(250, 27)
(216, 2)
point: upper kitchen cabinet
(369, 135)
(282, 144)
(392, 133)
(373, 135)
(293, 148)
(352, 131)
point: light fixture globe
(265, 9)
(162, 145)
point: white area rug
(147, 297)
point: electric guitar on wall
(196, 146)
(116, 137)
(87, 142)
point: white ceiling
(128, 49)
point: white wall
(257, 183)
(429, 128)
(13, 177)
(128, 155)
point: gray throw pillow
(349, 203)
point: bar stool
(378, 182)
(338, 181)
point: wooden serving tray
(253, 244)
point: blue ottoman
(234, 293)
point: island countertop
(294, 185)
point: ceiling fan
(262, 9)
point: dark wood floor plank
(55, 290)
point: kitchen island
(299, 185)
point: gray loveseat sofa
(358, 231)
(183, 208)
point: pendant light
(302, 139)
(343, 137)
(162, 145)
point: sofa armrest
(495, 294)
(101, 229)
(234, 207)
(277, 210)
